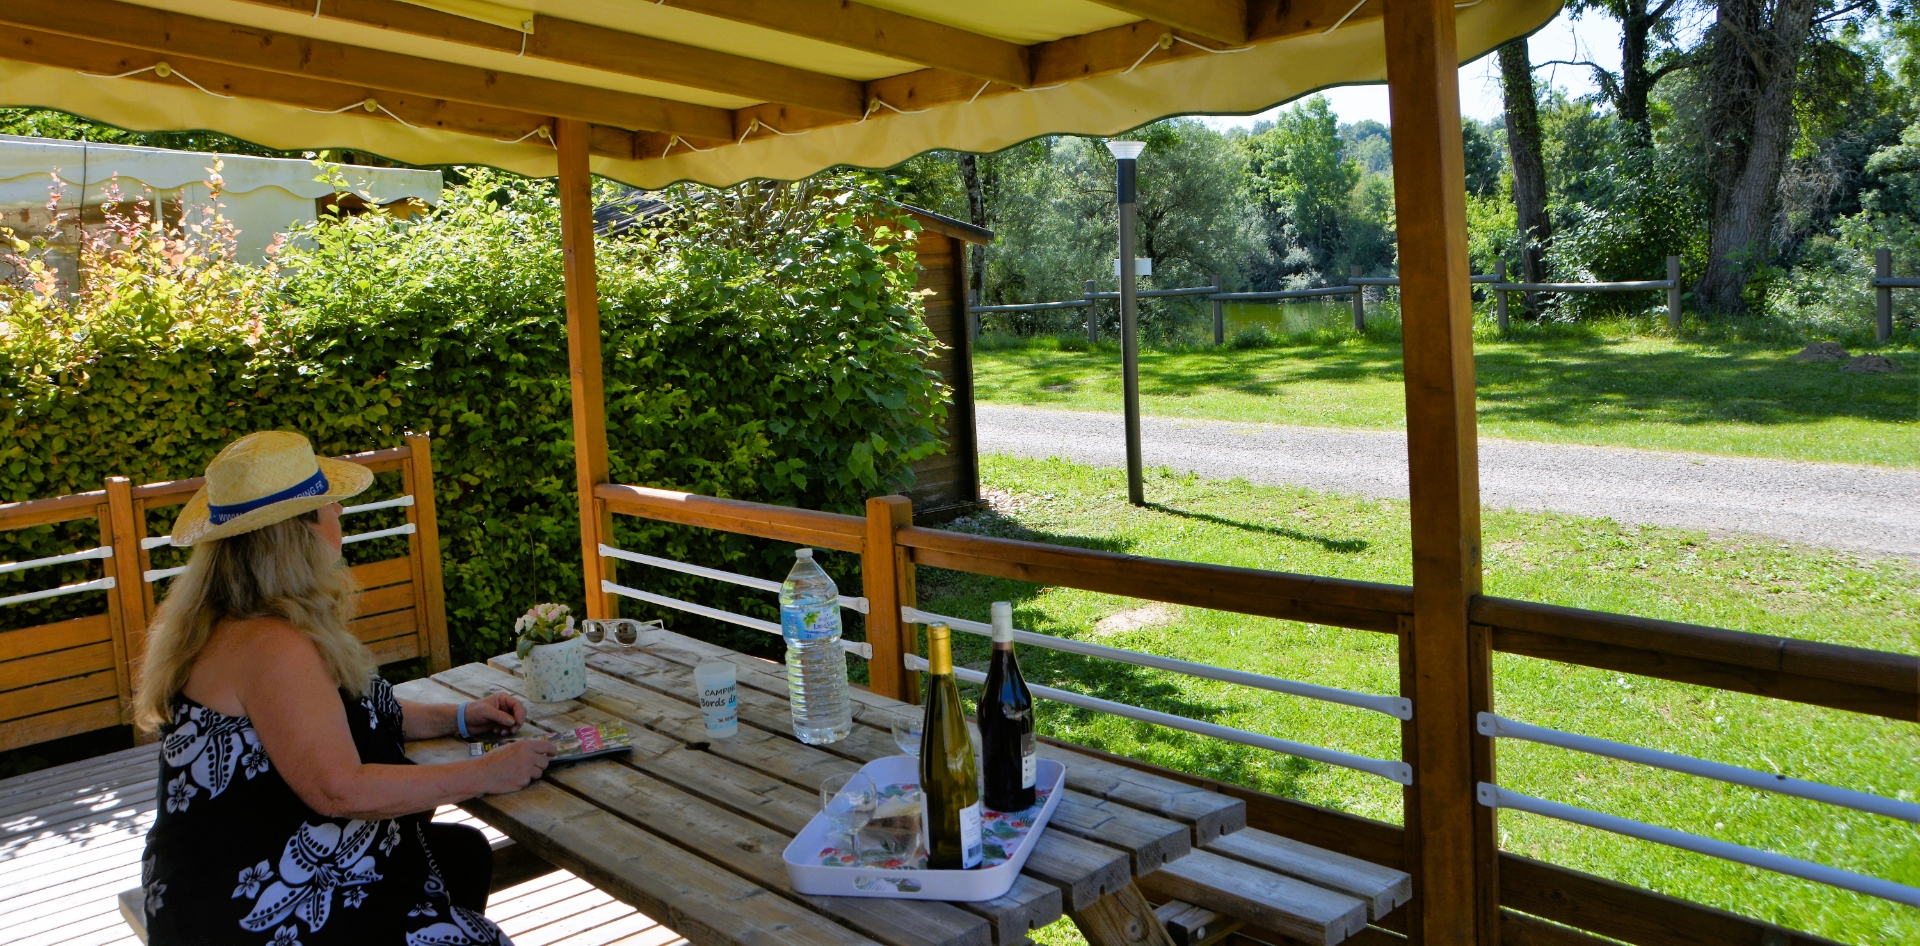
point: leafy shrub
(1253, 336)
(779, 359)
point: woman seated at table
(289, 812)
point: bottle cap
(939, 649)
(803, 553)
(1003, 622)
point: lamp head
(1126, 150)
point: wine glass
(909, 725)
(849, 801)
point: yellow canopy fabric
(396, 79)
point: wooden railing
(77, 675)
(1850, 678)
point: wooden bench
(77, 675)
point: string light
(540, 131)
(163, 70)
(370, 104)
(1164, 42)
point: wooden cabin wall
(949, 481)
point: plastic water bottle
(816, 663)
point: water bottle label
(811, 622)
(972, 847)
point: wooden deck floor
(71, 837)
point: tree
(1295, 169)
(1752, 56)
(1528, 159)
(1483, 157)
(977, 215)
(1647, 54)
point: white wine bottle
(1006, 723)
(949, 782)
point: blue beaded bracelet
(460, 720)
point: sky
(1591, 37)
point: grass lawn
(1650, 392)
(1755, 586)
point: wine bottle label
(810, 622)
(1029, 762)
(972, 847)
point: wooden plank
(1519, 929)
(58, 665)
(60, 635)
(105, 772)
(381, 626)
(703, 902)
(382, 600)
(881, 564)
(1224, 20)
(425, 551)
(962, 425)
(1124, 918)
(128, 614)
(1188, 925)
(395, 649)
(804, 526)
(589, 402)
(884, 32)
(1265, 900)
(1362, 605)
(178, 34)
(1381, 888)
(59, 694)
(1148, 840)
(40, 512)
(379, 574)
(15, 733)
(1628, 913)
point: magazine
(586, 742)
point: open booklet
(586, 742)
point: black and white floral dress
(236, 857)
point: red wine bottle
(1006, 723)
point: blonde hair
(283, 570)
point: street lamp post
(1126, 154)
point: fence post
(1673, 293)
(126, 604)
(1883, 295)
(1093, 316)
(1219, 314)
(1359, 302)
(417, 473)
(1500, 295)
(886, 576)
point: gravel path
(1865, 509)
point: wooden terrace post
(886, 576)
(428, 579)
(583, 358)
(127, 603)
(1882, 295)
(1359, 302)
(1450, 837)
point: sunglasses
(624, 631)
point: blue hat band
(315, 485)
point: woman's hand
(513, 767)
(498, 714)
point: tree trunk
(976, 215)
(1636, 84)
(1751, 58)
(1529, 167)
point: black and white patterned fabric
(235, 857)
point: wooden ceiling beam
(107, 59)
(177, 34)
(882, 32)
(595, 47)
(1222, 20)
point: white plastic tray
(811, 877)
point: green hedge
(779, 358)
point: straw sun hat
(261, 479)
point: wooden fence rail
(1849, 678)
(77, 675)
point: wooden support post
(1882, 295)
(1093, 316)
(583, 357)
(1359, 303)
(1450, 849)
(1219, 313)
(1500, 295)
(127, 604)
(1121, 918)
(1130, 332)
(886, 576)
(425, 552)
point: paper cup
(719, 699)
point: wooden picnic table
(690, 830)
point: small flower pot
(556, 672)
